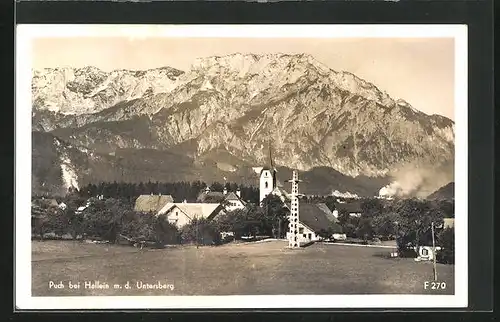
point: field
(246, 269)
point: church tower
(267, 178)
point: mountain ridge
(311, 115)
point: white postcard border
(23, 298)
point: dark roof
(212, 196)
(315, 218)
(327, 211)
(273, 170)
(349, 207)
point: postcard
(241, 166)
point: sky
(418, 70)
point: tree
(103, 218)
(371, 208)
(413, 222)
(216, 186)
(275, 215)
(247, 221)
(385, 225)
(446, 239)
(45, 218)
(73, 219)
(200, 231)
(166, 232)
(140, 227)
(364, 229)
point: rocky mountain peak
(226, 109)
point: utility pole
(434, 252)
(293, 240)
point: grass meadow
(267, 268)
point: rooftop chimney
(224, 191)
(238, 193)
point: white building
(233, 201)
(181, 214)
(267, 181)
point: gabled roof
(152, 203)
(314, 217)
(234, 197)
(212, 197)
(328, 212)
(192, 210)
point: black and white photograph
(241, 166)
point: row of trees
(408, 221)
(178, 190)
(114, 219)
(268, 220)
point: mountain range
(221, 117)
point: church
(314, 219)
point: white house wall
(234, 205)
(304, 230)
(177, 217)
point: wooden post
(197, 233)
(434, 252)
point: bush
(139, 226)
(200, 232)
(103, 218)
(446, 239)
(166, 232)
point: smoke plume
(418, 181)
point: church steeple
(271, 163)
(267, 177)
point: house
(81, 209)
(208, 196)
(181, 214)
(152, 203)
(426, 253)
(448, 222)
(313, 219)
(231, 201)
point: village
(223, 222)
(219, 216)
